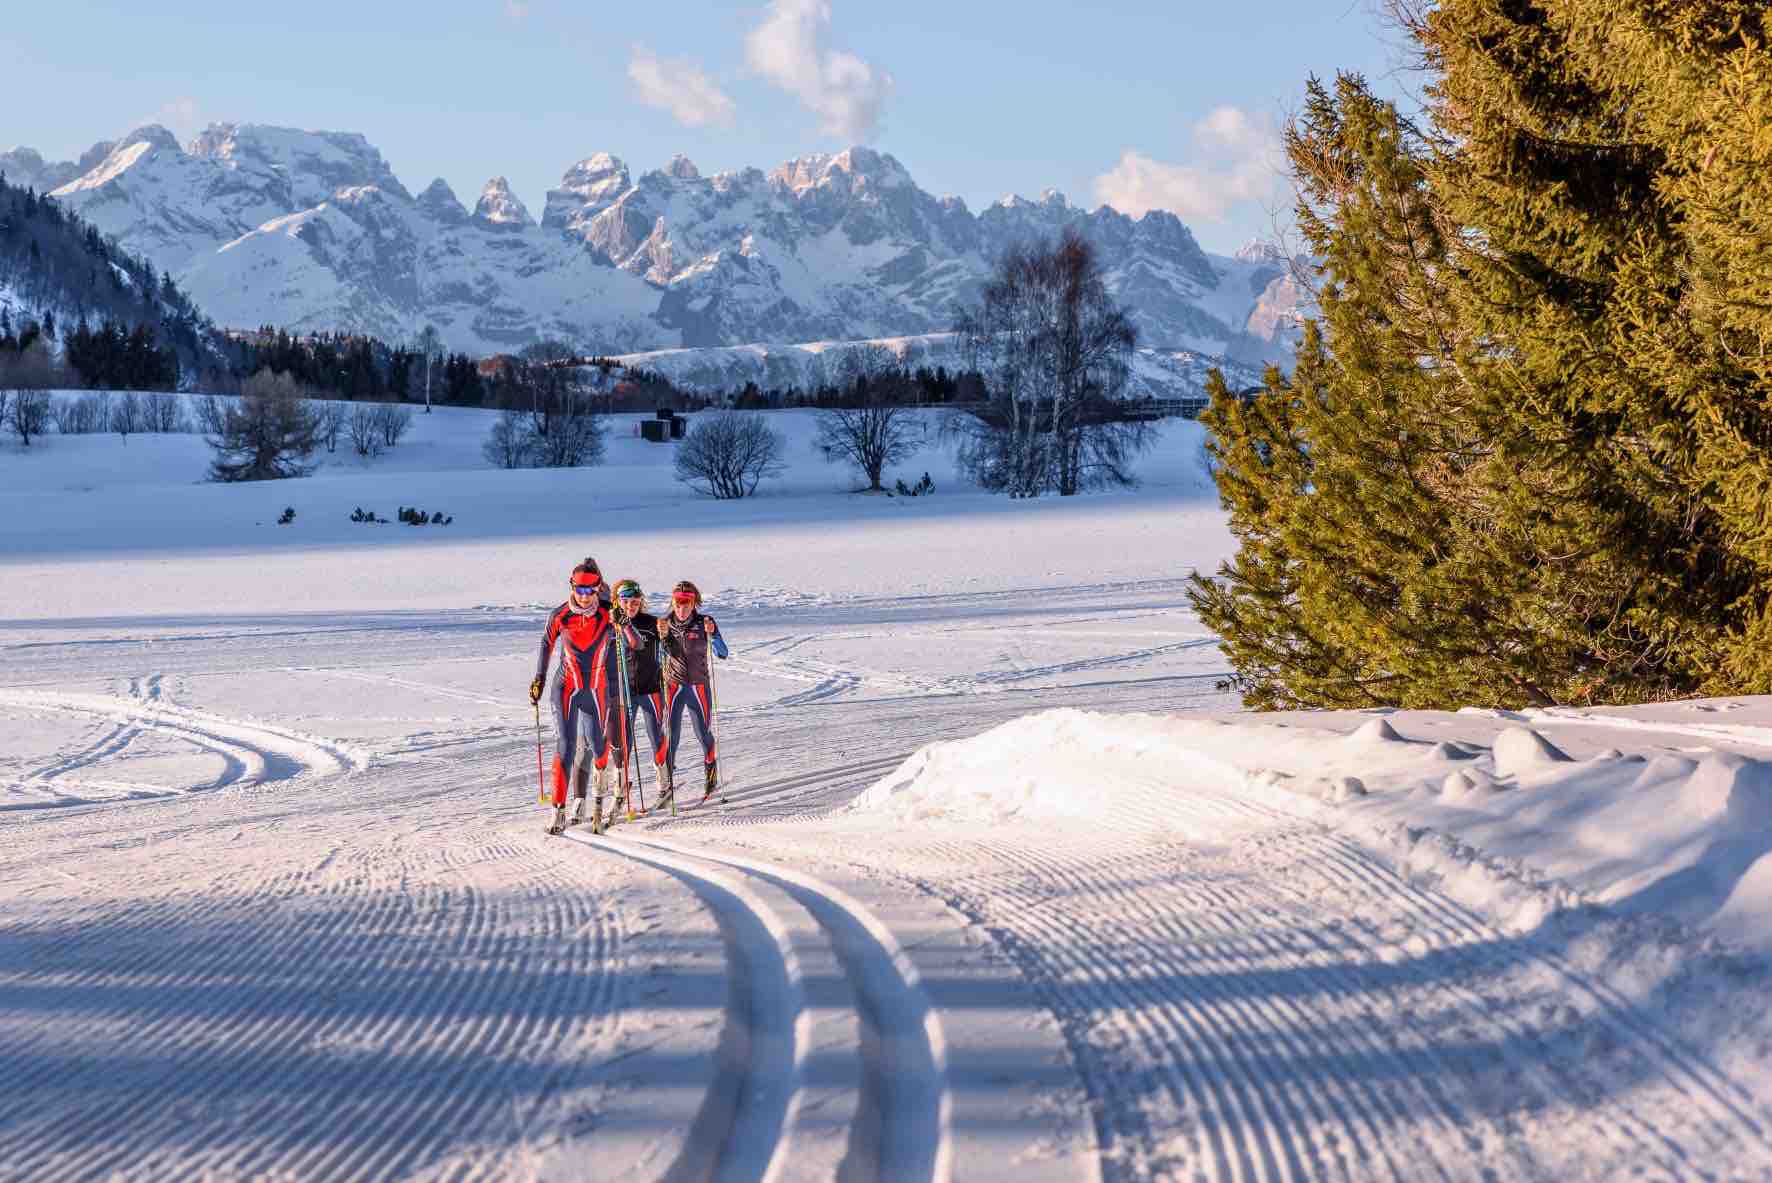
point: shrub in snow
(727, 454)
(392, 421)
(920, 489)
(415, 516)
(288, 516)
(360, 514)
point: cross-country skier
(587, 712)
(687, 637)
(645, 675)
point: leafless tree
(430, 347)
(880, 426)
(26, 379)
(166, 413)
(329, 420)
(392, 420)
(509, 444)
(267, 434)
(364, 426)
(728, 453)
(559, 427)
(83, 414)
(211, 412)
(127, 414)
(1055, 351)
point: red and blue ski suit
(585, 692)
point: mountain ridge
(312, 230)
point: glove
(616, 614)
(535, 692)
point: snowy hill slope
(313, 231)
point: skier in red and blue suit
(585, 691)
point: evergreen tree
(1525, 455)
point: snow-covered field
(1003, 884)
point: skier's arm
(718, 644)
(548, 637)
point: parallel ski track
(1247, 1012)
(381, 990)
(251, 753)
(902, 1125)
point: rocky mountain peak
(440, 200)
(682, 168)
(499, 206)
(586, 189)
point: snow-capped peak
(682, 168)
(500, 206)
(1260, 250)
(439, 199)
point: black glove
(616, 614)
(535, 692)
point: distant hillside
(58, 272)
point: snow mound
(1378, 731)
(1736, 788)
(1056, 765)
(1521, 751)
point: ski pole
(627, 723)
(714, 716)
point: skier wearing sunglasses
(585, 699)
(645, 675)
(688, 636)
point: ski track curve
(251, 752)
(901, 1123)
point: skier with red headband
(585, 693)
(688, 636)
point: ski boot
(667, 792)
(558, 825)
(713, 781)
(600, 788)
(578, 805)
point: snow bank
(1519, 817)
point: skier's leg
(701, 710)
(677, 698)
(565, 738)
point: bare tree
(510, 443)
(430, 347)
(329, 420)
(211, 412)
(728, 453)
(560, 427)
(880, 425)
(364, 425)
(1055, 351)
(267, 434)
(127, 415)
(392, 421)
(166, 413)
(83, 414)
(26, 378)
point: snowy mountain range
(313, 230)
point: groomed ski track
(358, 957)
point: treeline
(1525, 457)
(78, 278)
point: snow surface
(1003, 882)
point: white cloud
(1237, 159)
(679, 86)
(789, 49)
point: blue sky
(1140, 103)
